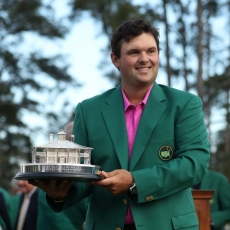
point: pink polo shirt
(132, 118)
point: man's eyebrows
(153, 47)
(139, 49)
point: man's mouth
(142, 68)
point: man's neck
(135, 95)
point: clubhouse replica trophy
(60, 159)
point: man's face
(139, 61)
(24, 186)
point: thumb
(109, 174)
(104, 174)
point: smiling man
(149, 139)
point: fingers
(38, 183)
(65, 185)
(32, 182)
(115, 182)
(109, 174)
(56, 189)
(104, 174)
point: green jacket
(220, 202)
(170, 154)
(5, 221)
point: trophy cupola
(61, 135)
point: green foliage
(111, 14)
(217, 88)
(27, 75)
(220, 158)
(22, 16)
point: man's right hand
(55, 189)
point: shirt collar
(127, 103)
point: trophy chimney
(51, 137)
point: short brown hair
(129, 30)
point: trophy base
(58, 176)
(47, 171)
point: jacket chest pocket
(163, 146)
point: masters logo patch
(165, 153)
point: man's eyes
(133, 52)
(152, 51)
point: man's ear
(115, 60)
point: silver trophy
(60, 159)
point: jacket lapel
(149, 119)
(115, 122)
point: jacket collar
(115, 122)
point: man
(34, 213)
(28, 206)
(220, 202)
(149, 139)
(14, 186)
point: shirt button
(125, 202)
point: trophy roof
(62, 144)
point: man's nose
(143, 57)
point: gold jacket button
(125, 202)
(149, 198)
(118, 228)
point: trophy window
(74, 156)
(85, 156)
(51, 155)
(62, 156)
